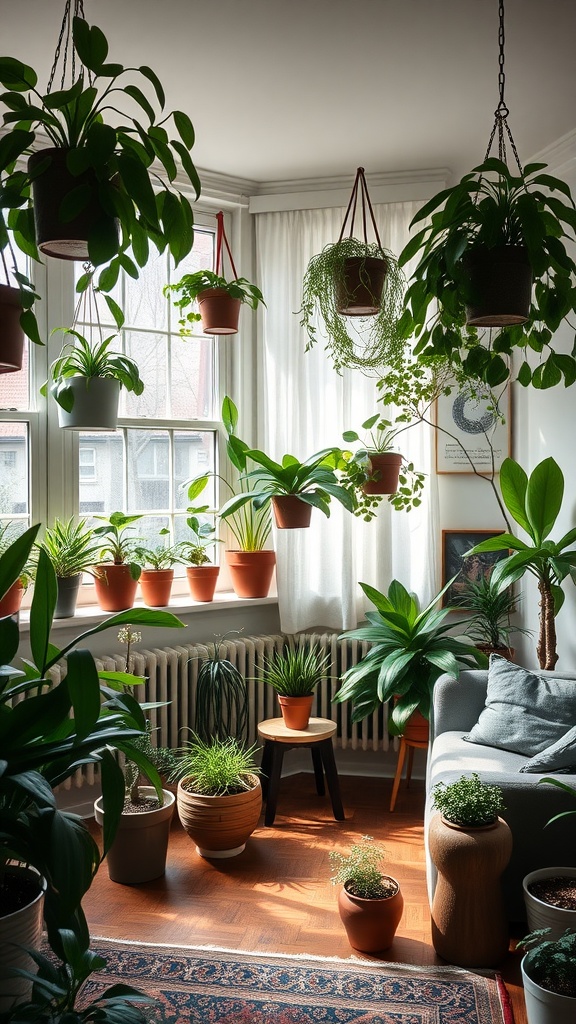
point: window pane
(193, 455)
(148, 470)
(145, 305)
(15, 387)
(192, 379)
(149, 351)
(103, 491)
(14, 489)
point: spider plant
(85, 359)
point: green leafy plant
(488, 612)
(159, 556)
(492, 207)
(192, 285)
(567, 789)
(121, 158)
(360, 872)
(551, 964)
(377, 343)
(8, 534)
(203, 535)
(468, 801)
(115, 544)
(358, 470)
(84, 359)
(534, 503)
(296, 672)
(217, 768)
(70, 546)
(410, 649)
(221, 697)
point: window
(87, 464)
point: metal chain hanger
(500, 126)
(71, 11)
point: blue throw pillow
(558, 757)
(525, 711)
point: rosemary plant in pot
(72, 548)
(370, 903)
(294, 673)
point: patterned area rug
(209, 986)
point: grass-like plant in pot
(117, 573)
(490, 223)
(370, 902)
(488, 609)
(294, 673)
(72, 548)
(102, 178)
(218, 299)
(219, 795)
(221, 697)
(549, 976)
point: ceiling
(290, 89)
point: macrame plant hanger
(221, 238)
(359, 293)
(219, 310)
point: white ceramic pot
(544, 915)
(544, 1007)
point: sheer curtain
(306, 406)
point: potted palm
(488, 611)
(219, 795)
(85, 381)
(117, 572)
(295, 673)
(370, 903)
(498, 235)
(218, 301)
(157, 573)
(72, 549)
(549, 977)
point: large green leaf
(16, 75)
(84, 689)
(90, 44)
(42, 611)
(15, 557)
(544, 498)
(513, 484)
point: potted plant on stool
(370, 903)
(549, 977)
(295, 674)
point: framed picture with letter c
(472, 432)
(455, 544)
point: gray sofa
(456, 708)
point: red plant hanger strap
(360, 179)
(221, 237)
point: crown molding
(559, 155)
(319, 193)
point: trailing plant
(295, 672)
(221, 697)
(409, 650)
(491, 207)
(83, 358)
(358, 470)
(121, 157)
(359, 871)
(534, 502)
(219, 767)
(70, 546)
(468, 802)
(115, 544)
(488, 611)
(192, 285)
(551, 963)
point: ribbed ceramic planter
(202, 580)
(290, 512)
(11, 334)
(359, 291)
(386, 466)
(156, 586)
(220, 312)
(220, 825)
(22, 928)
(114, 586)
(500, 283)
(543, 1006)
(10, 603)
(251, 572)
(138, 853)
(68, 587)
(95, 404)
(543, 915)
(296, 711)
(370, 924)
(469, 922)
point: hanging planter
(218, 300)
(499, 286)
(11, 333)
(291, 512)
(355, 278)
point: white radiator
(171, 674)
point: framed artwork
(455, 544)
(469, 424)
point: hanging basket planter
(499, 282)
(11, 333)
(95, 404)
(219, 311)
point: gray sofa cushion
(525, 712)
(558, 757)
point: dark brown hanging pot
(290, 512)
(11, 333)
(358, 289)
(498, 286)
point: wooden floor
(277, 895)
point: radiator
(171, 674)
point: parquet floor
(277, 895)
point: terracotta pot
(469, 922)
(251, 572)
(11, 334)
(290, 512)
(500, 286)
(219, 311)
(115, 588)
(68, 587)
(22, 928)
(359, 291)
(417, 729)
(387, 466)
(502, 652)
(202, 581)
(95, 404)
(370, 923)
(296, 711)
(544, 1006)
(220, 825)
(156, 586)
(138, 852)
(67, 240)
(10, 603)
(541, 914)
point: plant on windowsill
(157, 573)
(11, 601)
(295, 673)
(370, 903)
(72, 548)
(201, 573)
(117, 573)
(219, 795)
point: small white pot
(544, 915)
(545, 1007)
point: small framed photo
(471, 432)
(455, 544)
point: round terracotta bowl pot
(290, 512)
(371, 923)
(219, 825)
(202, 581)
(115, 588)
(220, 312)
(10, 603)
(387, 466)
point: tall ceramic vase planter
(541, 914)
(543, 1006)
(11, 333)
(138, 853)
(251, 572)
(115, 587)
(219, 826)
(20, 930)
(469, 923)
(370, 924)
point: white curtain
(306, 406)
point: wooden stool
(318, 737)
(410, 746)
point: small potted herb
(370, 902)
(201, 573)
(549, 977)
(117, 573)
(218, 301)
(157, 573)
(468, 802)
(295, 673)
